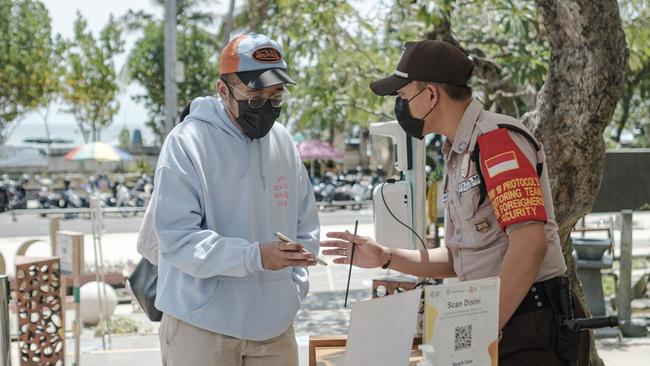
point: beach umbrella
(318, 150)
(97, 151)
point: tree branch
(381, 115)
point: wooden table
(329, 350)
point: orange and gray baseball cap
(434, 61)
(257, 60)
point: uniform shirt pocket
(468, 192)
(468, 203)
(479, 224)
(467, 207)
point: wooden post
(625, 281)
(625, 278)
(70, 250)
(54, 227)
(76, 285)
(5, 334)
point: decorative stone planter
(591, 249)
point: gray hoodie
(218, 195)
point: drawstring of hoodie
(223, 116)
(222, 113)
(261, 165)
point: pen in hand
(347, 288)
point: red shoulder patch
(511, 180)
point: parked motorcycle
(353, 186)
(17, 195)
(4, 196)
(360, 192)
(126, 198)
(48, 199)
(71, 199)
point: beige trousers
(184, 344)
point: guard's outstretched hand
(367, 254)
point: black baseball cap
(435, 61)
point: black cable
(426, 282)
(381, 190)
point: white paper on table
(382, 330)
(461, 322)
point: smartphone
(284, 238)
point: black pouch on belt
(568, 341)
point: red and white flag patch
(501, 163)
(511, 180)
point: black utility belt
(536, 298)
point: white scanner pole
(410, 159)
(417, 178)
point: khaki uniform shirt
(472, 233)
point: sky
(131, 114)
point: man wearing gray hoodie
(227, 179)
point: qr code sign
(463, 338)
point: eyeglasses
(276, 99)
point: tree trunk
(85, 133)
(258, 13)
(228, 24)
(47, 128)
(364, 138)
(586, 71)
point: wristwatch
(390, 256)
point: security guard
(499, 209)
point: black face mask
(411, 125)
(256, 123)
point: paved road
(322, 311)
(34, 225)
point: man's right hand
(279, 255)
